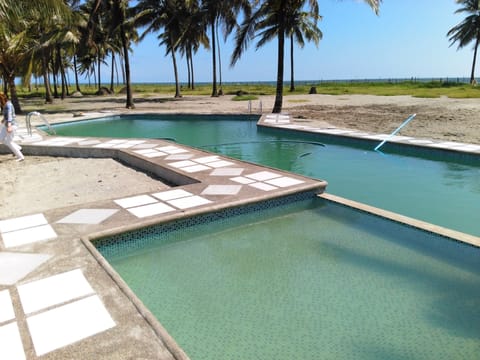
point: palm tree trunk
(175, 72)
(54, 76)
(191, 70)
(292, 78)
(277, 106)
(189, 82)
(77, 84)
(214, 62)
(66, 82)
(46, 81)
(472, 76)
(98, 73)
(112, 74)
(220, 91)
(60, 70)
(129, 104)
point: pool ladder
(45, 121)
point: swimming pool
(445, 192)
(307, 280)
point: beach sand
(42, 183)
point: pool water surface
(444, 192)
(311, 280)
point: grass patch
(251, 91)
(245, 97)
(298, 100)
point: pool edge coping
(455, 235)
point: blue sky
(407, 39)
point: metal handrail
(29, 123)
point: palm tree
(223, 12)
(269, 21)
(302, 25)
(174, 15)
(468, 30)
(24, 29)
(118, 11)
(193, 37)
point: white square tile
(135, 142)
(263, 175)
(206, 159)
(14, 266)
(125, 145)
(145, 151)
(222, 190)
(72, 140)
(87, 216)
(11, 343)
(150, 210)
(172, 194)
(420, 141)
(179, 157)
(155, 154)
(172, 149)
(220, 163)
(176, 151)
(226, 172)
(471, 147)
(195, 168)
(28, 236)
(188, 202)
(242, 180)
(263, 186)
(67, 324)
(181, 164)
(22, 222)
(6, 308)
(53, 290)
(145, 146)
(89, 142)
(135, 201)
(284, 181)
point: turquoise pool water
(441, 191)
(311, 280)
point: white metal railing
(29, 123)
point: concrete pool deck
(59, 300)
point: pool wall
(425, 149)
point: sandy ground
(41, 183)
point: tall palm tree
(225, 13)
(269, 20)
(118, 25)
(175, 13)
(155, 15)
(302, 25)
(194, 36)
(468, 30)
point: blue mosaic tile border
(116, 245)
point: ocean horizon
(462, 80)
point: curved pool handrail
(45, 121)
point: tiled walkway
(283, 121)
(49, 304)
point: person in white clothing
(8, 127)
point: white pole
(410, 118)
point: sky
(407, 39)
